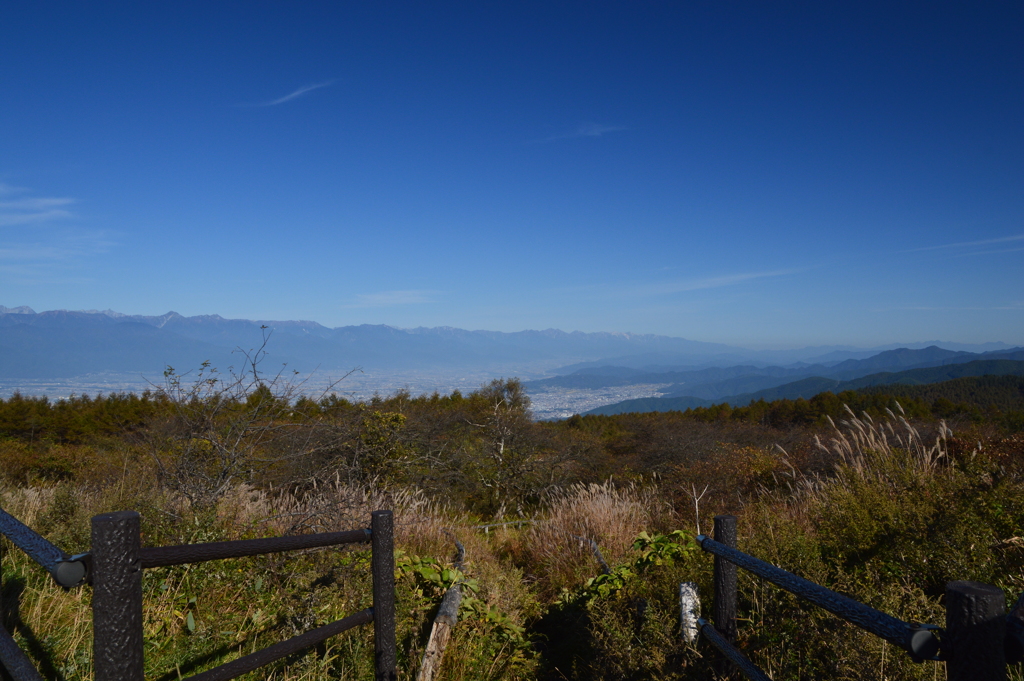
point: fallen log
(444, 622)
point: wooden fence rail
(114, 568)
(976, 645)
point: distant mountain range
(62, 344)
(938, 367)
(720, 382)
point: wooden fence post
(975, 629)
(383, 567)
(117, 597)
(724, 613)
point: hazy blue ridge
(735, 386)
(594, 378)
(900, 358)
(64, 343)
(646, 404)
(809, 387)
(794, 358)
(718, 383)
(928, 357)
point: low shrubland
(881, 505)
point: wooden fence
(978, 642)
(114, 565)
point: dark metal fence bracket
(66, 570)
(73, 571)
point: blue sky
(757, 174)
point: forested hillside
(988, 395)
(808, 388)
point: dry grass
(864, 442)
(27, 504)
(609, 515)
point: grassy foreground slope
(887, 516)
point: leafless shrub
(224, 427)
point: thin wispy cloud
(7, 220)
(1016, 306)
(596, 130)
(668, 288)
(25, 210)
(727, 280)
(992, 251)
(392, 298)
(38, 244)
(8, 190)
(32, 253)
(51, 257)
(970, 244)
(586, 129)
(305, 89)
(34, 204)
(32, 275)
(64, 245)
(671, 287)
